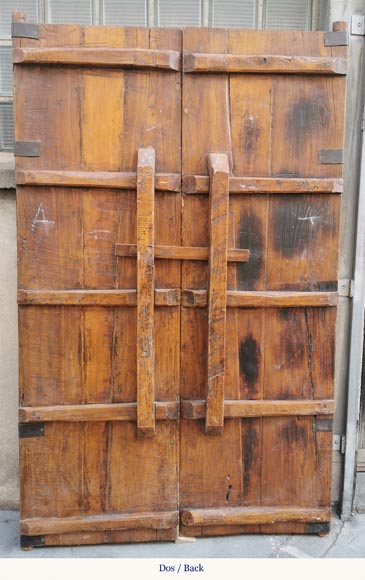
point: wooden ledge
(270, 64)
(154, 520)
(105, 57)
(244, 515)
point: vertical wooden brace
(218, 234)
(145, 292)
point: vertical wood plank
(218, 224)
(145, 291)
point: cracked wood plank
(217, 291)
(145, 292)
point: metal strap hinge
(27, 430)
(336, 38)
(26, 149)
(24, 30)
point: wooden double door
(178, 197)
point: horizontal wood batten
(182, 252)
(102, 179)
(175, 296)
(165, 410)
(271, 64)
(255, 299)
(154, 520)
(243, 515)
(200, 184)
(163, 297)
(105, 57)
(244, 408)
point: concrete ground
(346, 540)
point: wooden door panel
(260, 117)
(279, 133)
(78, 295)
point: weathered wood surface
(281, 310)
(162, 297)
(101, 57)
(217, 291)
(257, 299)
(278, 64)
(243, 185)
(40, 526)
(77, 205)
(145, 291)
(244, 515)
(95, 412)
(197, 409)
(108, 179)
(183, 253)
(78, 319)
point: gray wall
(8, 347)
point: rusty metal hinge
(24, 30)
(363, 119)
(27, 430)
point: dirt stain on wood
(249, 358)
(250, 237)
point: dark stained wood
(241, 63)
(42, 526)
(182, 253)
(163, 297)
(95, 412)
(242, 185)
(145, 292)
(242, 515)
(218, 238)
(105, 57)
(197, 409)
(100, 179)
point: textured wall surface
(8, 353)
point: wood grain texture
(100, 179)
(162, 297)
(78, 307)
(218, 241)
(100, 57)
(200, 183)
(257, 299)
(95, 412)
(197, 409)
(277, 64)
(145, 292)
(182, 252)
(40, 526)
(232, 516)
